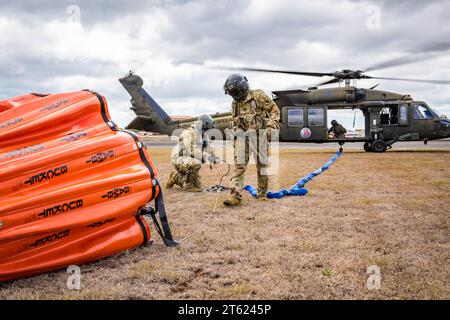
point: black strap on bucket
(163, 229)
(166, 234)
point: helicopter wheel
(367, 147)
(379, 146)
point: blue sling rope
(297, 189)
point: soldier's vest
(182, 149)
(250, 114)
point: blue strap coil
(297, 189)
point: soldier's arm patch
(266, 100)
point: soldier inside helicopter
(389, 115)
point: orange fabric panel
(71, 183)
(17, 101)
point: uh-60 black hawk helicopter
(389, 117)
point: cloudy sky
(57, 46)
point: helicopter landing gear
(367, 147)
(379, 146)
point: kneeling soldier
(189, 154)
(337, 130)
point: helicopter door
(317, 123)
(293, 123)
(389, 121)
(395, 121)
(423, 120)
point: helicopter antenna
(354, 119)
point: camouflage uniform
(256, 111)
(338, 130)
(187, 158)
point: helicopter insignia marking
(305, 133)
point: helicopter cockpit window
(421, 112)
(439, 114)
(295, 117)
(403, 114)
(315, 117)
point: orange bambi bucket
(73, 186)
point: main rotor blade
(302, 73)
(421, 54)
(218, 67)
(413, 80)
(180, 62)
(401, 61)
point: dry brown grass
(390, 210)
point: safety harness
(297, 189)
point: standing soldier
(337, 129)
(191, 151)
(252, 110)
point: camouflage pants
(242, 151)
(187, 172)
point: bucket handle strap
(163, 229)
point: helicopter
(389, 117)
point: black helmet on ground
(207, 122)
(236, 86)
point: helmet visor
(234, 92)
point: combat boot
(197, 182)
(235, 199)
(172, 180)
(261, 196)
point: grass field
(391, 210)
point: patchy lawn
(391, 210)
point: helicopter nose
(445, 127)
